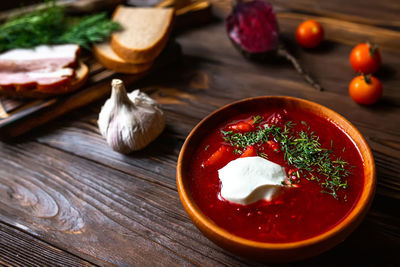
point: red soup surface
(306, 206)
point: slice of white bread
(144, 34)
(80, 77)
(109, 59)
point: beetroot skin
(253, 27)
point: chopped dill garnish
(257, 119)
(242, 140)
(207, 146)
(226, 132)
(305, 124)
(290, 124)
(302, 150)
(263, 155)
(344, 149)
(237, 151)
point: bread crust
(139, 56)
(119, 66)
(81, 75)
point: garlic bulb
(130, 121)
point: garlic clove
(130, 122)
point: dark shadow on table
(386, 72)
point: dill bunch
(88, 30)
(51, 26)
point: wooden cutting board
(19, 116)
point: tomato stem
(367, 78)
(372, 49)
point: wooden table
(68, 199)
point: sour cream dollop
(247, 180)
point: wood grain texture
(31, 251)
(188, 104)
(370, 236)
(79, 207)
(62, 183)
(383, 12)
(344, 32)
(336, 28)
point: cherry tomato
(365, 89)
(365, 58)
(309, 34)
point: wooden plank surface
(17, 248)
(64, 186)
(382, 12)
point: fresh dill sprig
(257, 119)
(88, 30)
(50, 25)
(302, 150)
(32, 29)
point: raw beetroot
(252, 27)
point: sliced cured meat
(42, 91)
(44, 66)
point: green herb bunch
(51, 26)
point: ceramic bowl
(275, 252)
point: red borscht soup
(324, 172)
